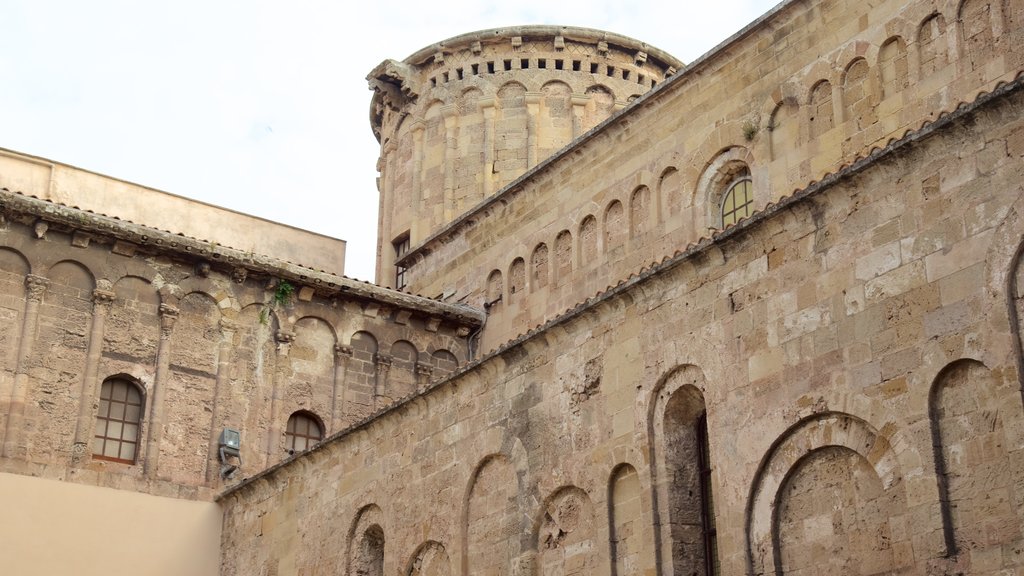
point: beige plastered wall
(72, 186)
(50, 527)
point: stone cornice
(326, 284)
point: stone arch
(563, 256)
(588, 241)
(821, 116)
(555, 126)
(366, 542)
(361, 374)
(539, 266)
(70, 273)
(12, 261)
(74, 278)
(625, 515)
(833, 515)
(1014, 18)
(196, 334)
(615, 227)
(510, 153)
(783, 128)
(822, 430)
(972, 462)
(495, 289)
(600, 105)
(975, 19)
(639, 211)
(126, 443)
(671, 191)
(467, 101)
(516, 278)
(729, 167)
(251, 378)
(490, 518)
(194, 358)
(62, 336)
(893, 67)
(432, 155)
(1015, 307)
(932, 45)
(564, 534)
(429, 559)
(402, 375)
(857, 105)
(444, 363)
(14, 269)
(311, 358)
(680, 468)
(468, 162)
(303, 430)
(133, 323)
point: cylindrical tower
(461, 119)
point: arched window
(303, 432)
(117, 422)
(738, 202)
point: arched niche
(681, 471)
(786, 458)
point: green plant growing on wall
(749, 131)
(282, 296)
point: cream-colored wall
(50, 527)
(105, 195)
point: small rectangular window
(433, 81)
(576, 65)
(524, 63)
(542, 63)
(445, 76)
(476, 69)
(558, 64)
(490, 67)
(625, 74)
(593, 68)
(508, 65)
(401, 246)
(640, 78)
(611, 71)
(458, 73)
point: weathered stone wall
(206, 342)
(854, 350)
(459, 120)
(809, 89)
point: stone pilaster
(102, 300)
(35, 288)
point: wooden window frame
(291, 433)
(108, 388)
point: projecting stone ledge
(124, 233)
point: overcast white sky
(262, 106)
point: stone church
(760, 313)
